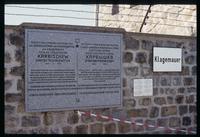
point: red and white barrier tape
(80, 113)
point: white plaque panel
(143, 87)
(167, 59)
(72, 70)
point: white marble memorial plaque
(143, 87)
(72, 70)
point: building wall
(173, 103)
(166, 19)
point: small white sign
(167, 59)
(143, 87)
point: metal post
(97, 15)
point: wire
(141, 16)
(66, 17)
(51, 9)
(69, 10)
(89, 19)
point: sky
(33, 9)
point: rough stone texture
(183, 109)
(171, 44)
(192, 109)
(87, 119)
(129, 103)
(145, 101)
(156, 81)
(170, 99)
(60, 117)
(11, 97)
(7, 57)
(181, 90)
(110, 128)
(159, 100)
(131, 71)
(170, 91)
(118, 113)
(54, 130)
(163, 122)
(174, 122)
(20, 131)
(138, 128)
(21, 107)
(8, 84)
(195, 120)
(180, 131)
(150, 61)
(173, 100)
(96, 128)
(30, 121)
(146, 71)
(48, 118)
(179, 99)
(138, 112)
(194, 70)
(38, 131)
(154, 112)
(177, 81)
(148, 123)
(17, 71)
(155, 91)
(124, 82)
(162, 91)
(9, 109)
(192, 46)
(165, 81)
(188, 81)
(141, 57)
(11, 121)
(132, 44)
(73, 118)
(186, 121)
(185, 70)
(189, 99)
(67, 130)
(167, 111)
(128, 57)
(16, 40)
(147, 45)
(191, 90)
(103, 111)
(81, 129)
(190, 59)
(124, 127)
(20, 85)
(127, 92)
(19, 55)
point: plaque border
(27, 109)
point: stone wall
(173, 103)
(166, 19)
